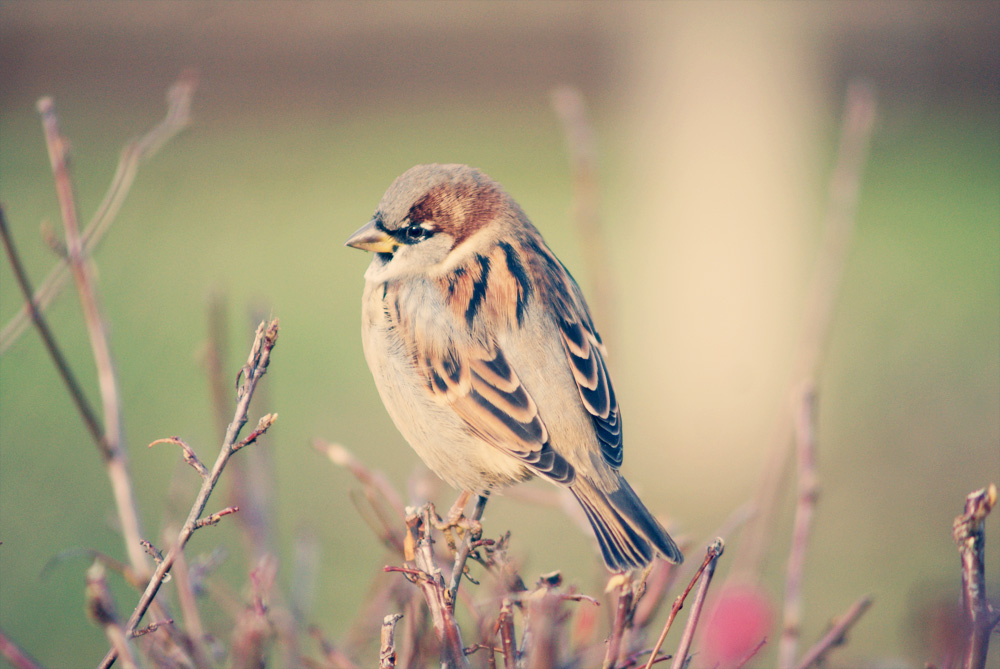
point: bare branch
(152, 551)
(88, 414)
(506, 630)
(387, 649)
(377, 490)
(711, 555)
(542, 645)
(433, 587)
(752, 654)
(189, 456)
(17, 656)
(805, 439)
(187, 601)
(342, 457)
(623, 620)
(260, 355)
(109, 562)
(844, 189)
(472, 534)
(656, 583)
(216, 517)
(262, 425)
(333, 655)
(835, 636)
(254, 628)
(251, 487)
(116, 458)
(56, 245)
(681, 656)
(134, 154)
(152, 627)
(969, 533)
(101, 607)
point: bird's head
(433, 217)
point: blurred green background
(716, 127)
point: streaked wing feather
(583, 349)
(484, 390)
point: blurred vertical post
(727, 99)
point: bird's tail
(628, 533)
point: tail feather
(627, 532)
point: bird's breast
(392, 316)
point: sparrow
(485, 355)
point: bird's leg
(455, 512)
(454, 520)
(475, 531)
(477, 512)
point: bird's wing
(482, 388)
(585, 353)
(583, 350)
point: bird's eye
(415, 232)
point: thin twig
(101, 607)
(188, 603)
(251, 488)
(387, 650)
(655, 584)
(711, 555)
(808, 493)
(336, 659)
(969, 533)
(424, 572)
(109, 562)
(189, 455)
(17, 656)
(216, 517)
(737, 517)
(623, 616)
(841, 213)
(433, 586)
(680, 657)
(116, 460)
(836, 634)
(377, 490)
(342, 457)
(491, 660)
(462, 554)
(88, 414)
(152, 627)
(260, 355)
(266, 421)
(506, 630)
(751, 655)
(152, 551)
(134, 154)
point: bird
(486, 357)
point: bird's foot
(456, 522)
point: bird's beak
(370, 238)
